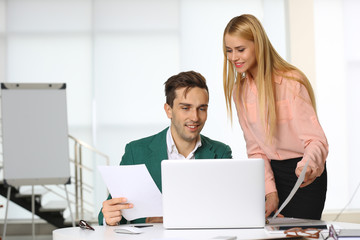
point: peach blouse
(298, 133)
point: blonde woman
(276, 108)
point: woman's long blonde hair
(269, 64)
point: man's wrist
(105, 223)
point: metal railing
(79, 167)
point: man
(187, 99)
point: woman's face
(241, 53)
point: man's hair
(186, 80)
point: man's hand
(112, 210)
(271, 203)
(310, 176)
(154, 220)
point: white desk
(157, 232)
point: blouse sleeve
(253, 148)
(310, 132)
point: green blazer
(152, 150)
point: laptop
(213, 193)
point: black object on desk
(84, 225)
(303, 227)
(142, 226)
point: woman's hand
(310, 176)
(271, 203)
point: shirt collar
(172, 149)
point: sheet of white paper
(293, 191)
(135, 183)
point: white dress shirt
(173, 152)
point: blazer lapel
(158, 152)
(205, 151)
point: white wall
(337, 73)
(352, 77)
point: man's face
(188, 115)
